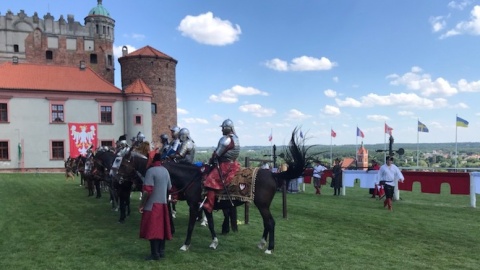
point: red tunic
(229, 169)
(155, 223)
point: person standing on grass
(337, 177)
(389, 174)
(155, 223)
(317, 174)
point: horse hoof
(184, 248)
(268, 251)
(174, 214)
(121, 221)
(214, 243)
(262, 244)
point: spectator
(337, 177)
(389, 174)
(155, 223)
(317, 175)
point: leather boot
(161, 248)
(208, 205)
(389, 204)
(153, 251)
(385, 203)
(317, 190)
(375, 191)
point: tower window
(49, 55)
(109, 60)
(15, 48)
(93, 58)
(154, 108)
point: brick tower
(32, 39)
(362, 158)
(157, 70)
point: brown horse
(187, 178)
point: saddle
(241, 187)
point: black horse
(187, 178)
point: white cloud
(470, 27)
(348, 102)
(465, 86)
(461, 105)
(182, 111)
(423, 83)
(460, 5)
(257, 110)
(210, 30)
(231, 95)
(406, 100)
(405, 113)
(438, 23)
(330, 93)
(377, 117)
(335, 79)
(296, 115)
(195, 121)
(303, 63)
(331, 110)
(277, 64)
(135, 36)
(117, 50)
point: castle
(58, 72)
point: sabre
(223, 182)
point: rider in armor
(122, 146)
(225, 159)
(186, 151)
(175, 143)
(165, 145)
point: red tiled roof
(149, 51)
(138, 87)
(50, 77)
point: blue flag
(422, 127)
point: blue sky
(272, 65)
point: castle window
(49, 55)
(138, 119)
(3, 113)
(97, 28)
(109, 60)
(4, 150)
(107, 143)
(154, 108)
(93, 58)
(57, 150)
(57, 113)
(104, 30)
(106, 114)
(15, 48)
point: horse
(102, 164)
(187, 178)
(69, 169)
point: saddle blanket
(241, 187)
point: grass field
(48, 223)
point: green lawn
(48, 223)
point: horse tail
(295, 157)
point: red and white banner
(81, 137)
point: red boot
(318, 190)
(385, 203)
(208, 205)
(389, 204)
(375, 191)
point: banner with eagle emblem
(81, 137)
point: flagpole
(456, 149)
(418, 132)
(356, 148)
(385, 142)
(271, 145)
(331, 139)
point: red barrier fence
(431, 181)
